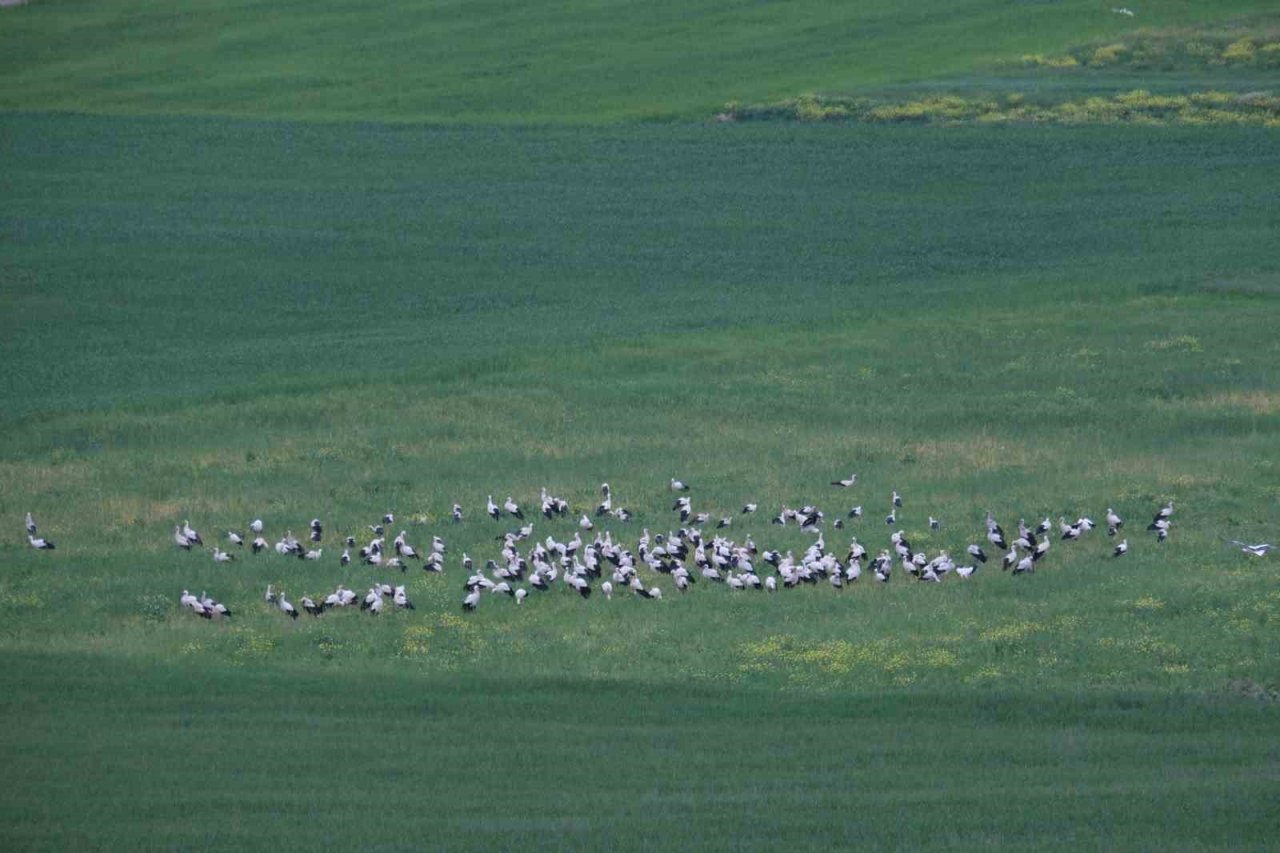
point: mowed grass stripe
(498, 60)
(302, 260)
(396, 763)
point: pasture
(218, 303)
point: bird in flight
(1259, 550)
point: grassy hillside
(217, 320)
(504, 60)
(229, 307)
(359, 757)
(249, 258)
(220, 319)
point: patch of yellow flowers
(1169, 50)
(1138, 106)
(783, 653)
(416, 641)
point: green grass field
(509, 61)
(277, 285)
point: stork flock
(690, 554)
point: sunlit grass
(498, 60)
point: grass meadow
(504, 61)
(220, 302)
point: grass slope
(221, 318)
(501, 60)
(378, 761)
(218, 319)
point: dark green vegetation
(378, 762)
(219, 318)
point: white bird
(31, 525)
(607, 589)
(220, 556)
(457, 512)
(847, 482)
(259, 545)
(40, 543)
(679, 485)
(179, 539)
(191, 534)
(195, 605)
(256, 525)
(309, 605)
(965, 571)
(1114, 522)
(585, 523)
(492, 509)
(214, 608)
(404, 549)
(749, 508)
(1123, 10)
(1259, 550)
(472, 600)
(286, 608)
(513, 508)
(521, 594)
(1121, 549)
(235, 538)
(270, 596)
